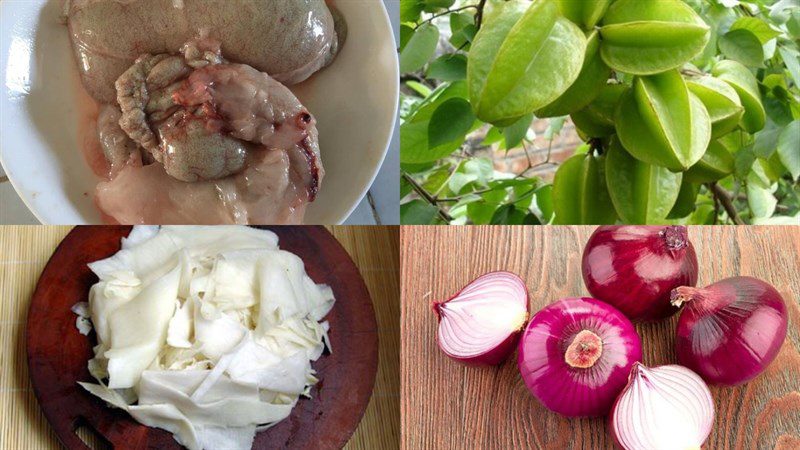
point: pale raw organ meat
(287, 39)
(266, 192)
(195, 139)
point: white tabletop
(381, 206)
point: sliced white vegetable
(167, 417)
(230, 438)
(282, 290)
(216, 337)
(180, 325)
(139, 234)
(139, 330)
(216, 407)
(206, 332)
(146, 261)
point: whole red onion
(481, 323)
(634, 268)
(576, 354)
(730, 331)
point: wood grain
(25, 250)
(446, 405)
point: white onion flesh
(482, 316)
(663, 408)
(206, 332)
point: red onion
(576, 354)
(481, 323)
(634, 268)
(731, 330)
(667, 407)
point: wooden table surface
(446, 405)
(25, 250)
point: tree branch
(725, 198)
(479, 14)
(449, 11)
(427, 197)
(779, 208)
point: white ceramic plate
(354, 101)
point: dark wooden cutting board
(57, 353)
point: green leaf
(414, 148)
(758, 174)
(406, 31)
(476, 170)
(579, 193)
(514, 134)
(717, 163)
(703, 215)
(554, 127)
(721, 101)
(511, 65)
(593, 76)
(773, 168)
(660, 122)
(511, 215)
(414, 144)
(410, 10)
(419, 88)
(642, 193)
(778, 220)
(436, 179)
(746, 85)
(433, 5)
(544, 200)
(482, 168)
(405, 188)
(452, 67)
(792, 60)
(418, 212)
(648, 37)
(481, 212)
(460, 20)
(686, 202)
(585, 13)
(444, 92)
(758, 27)
(451, 121)
(416, 168)
(760, 200)
(462, 29)
(744, 162)
(736, 140)
(766, 142)
(789, 148)
(419, 49)
(494, 136)
(743, 46)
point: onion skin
(730, 331)
(662, 405)
(493, 354)
(567, 389)
(634, 268)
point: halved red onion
(576, 354)
(730, 331)
(661, 408)
(480, 324)
(634, 268)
